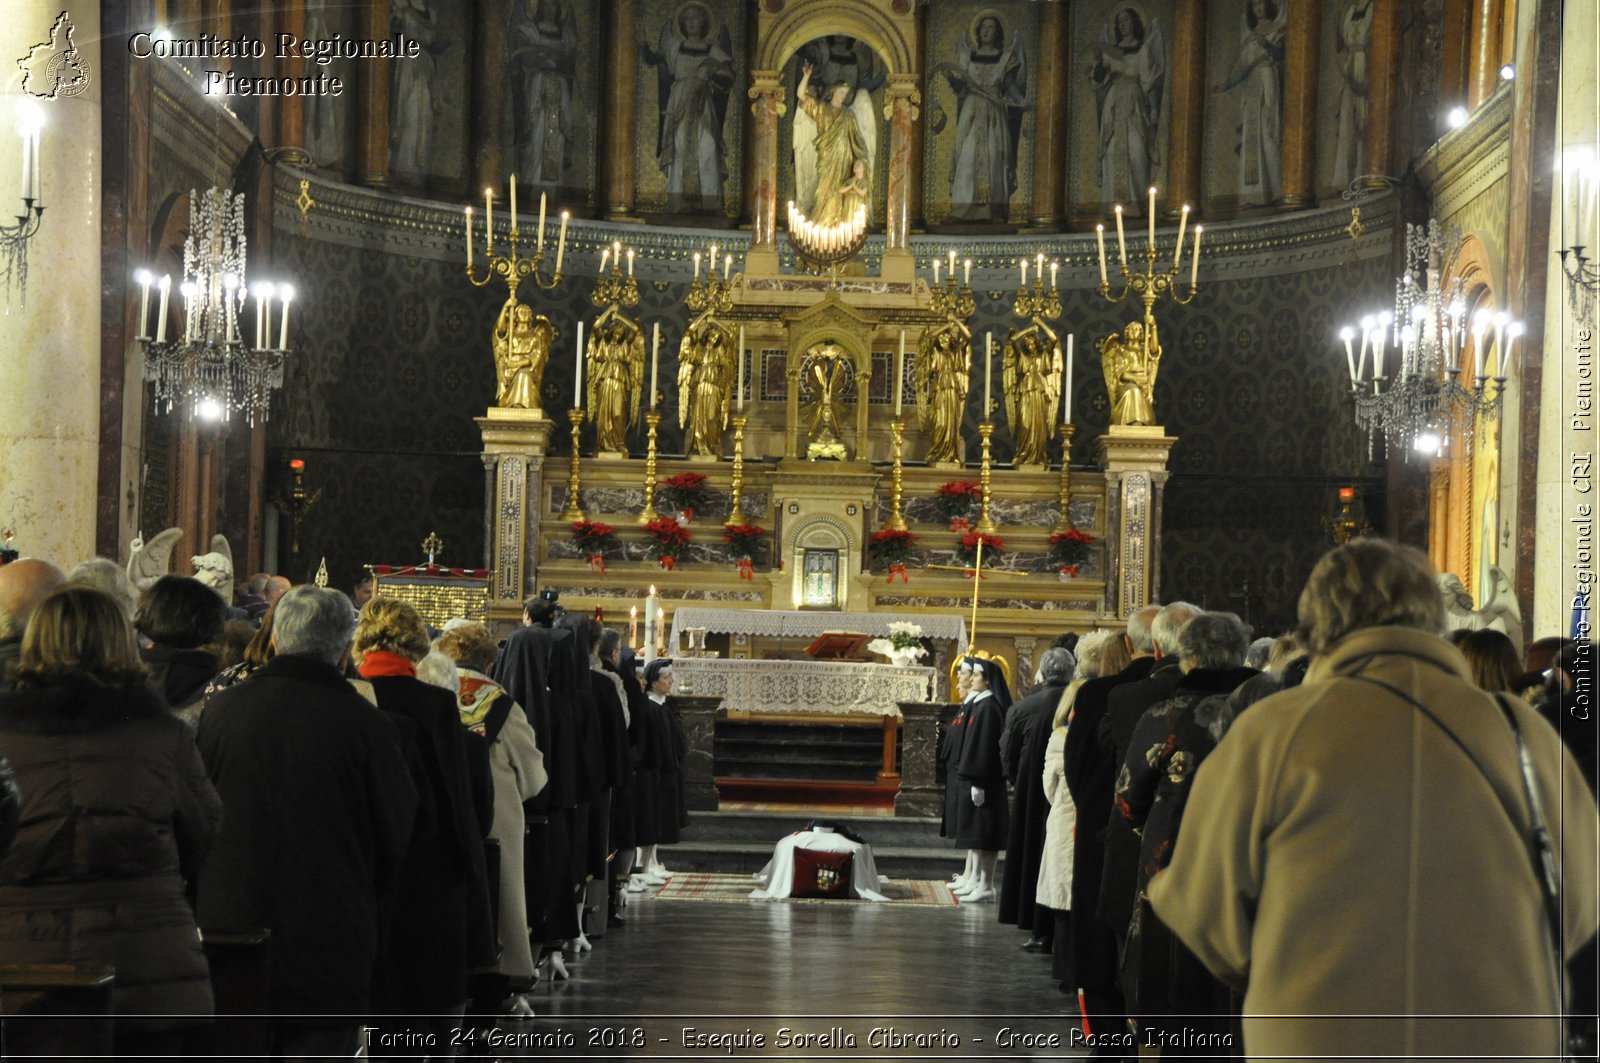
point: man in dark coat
(1091, 779)
(319, 806)
(1023, 742)
(1125, 707)
(23, 585)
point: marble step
(805, 769)
(765, 828)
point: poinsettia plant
(967, 547)
(890, 548)
(957, 500)
(685, 492)
(670, 539)
(1070, 549)
(594, 539)
(744, 546)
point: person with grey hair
(1360, 855)
(1261, 649)
(1022, 742)
(1168, 743)
(320, 805)
(106, 575)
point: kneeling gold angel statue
(521, 346)
(1130, 361)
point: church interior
(760, 329)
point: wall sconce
(1579, 171)
(14, 238)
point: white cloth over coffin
(779, 872)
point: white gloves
(977, 796)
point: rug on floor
(735, 889)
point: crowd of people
(1340, 842)
(425, 822)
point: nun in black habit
(949, 757)
(982, 819)
(665, 747)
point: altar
(811, 688)
(807, 624)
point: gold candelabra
(615, 288)
(986, 524)
(1037, 299)
(652, 422)
(514, 268)
(950, 300)
(574, 507)
(714, 293)
(736, 512)
(1065, 523)
(1152, 284)
(896, 520)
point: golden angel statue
(521, 347)
(830, 369)
(1031, 381)
(944, 362)
(1131, 361)
(705, 379)
(616, 377)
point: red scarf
(380, 664)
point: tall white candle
(260, 299)
(144, 279)
(739, 387)
(161, 314)
(543, 196)
(899, 373)
(1100, 238)
(287, 293)
(1038, 272)
(605, 256)
(1348, 335)
(1152, 213)
(1512, 332)
(561, 240)
(27, 162)
(652, 620)
(469, 239)
(952, 266)
(655, 362)
(1500, 320)
(577, 372)
(630, 261)
(697, 265)
(988, 359)
(1022, 267)
(1122, 245)
(1177, 250)
(966, 273)
(513, 202)
(1066, 388)
(727, 266)
(35, 186)
(936, 273)
(488, 221)
(1194, 261)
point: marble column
(515, 443)
(620, 88)
(766, 96)
(1483, 50)
(291, 17)
(920, 793)
(372, 100)
(1050, 120)
(1186, 137)
(1383, 60)
(903, 100)
(1135, 462)
(699, 718)
(488, 96)
(1300, 105)
(50, 330)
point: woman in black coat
(116, 813)
(440, 908)
(1027, 732)
(182, 618)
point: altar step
(741, 842)
(803, 752)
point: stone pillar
(487, 91)
(620, 88)
(291, 17)
(1383, 59)
(1300, 106)
(1134, 458)
(1050, 120)
(699, 718)
(901, 108)
(1186, 143)
(920, 792)
(1483, 50)
(766, 95)
(515, 443)
(50, 404)
(372, 100)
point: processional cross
(978, 575)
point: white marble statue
(1499, 610)
(148, 562)
(215, 569)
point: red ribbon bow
(669, 562)
(597, 563)
(958, 524)
(746, 568)
(898, 569)
(1070, 570)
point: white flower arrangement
(903, 646)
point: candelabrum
(896, 521)
(615, 288)
(573, 510)
(1065, 523)
(652, 422)
(1583, 282)
(714, 293)
(986, 524)
(825, 246)
(14, 238)
(953, 301)
(514, 267)
(736, 513)
(1152, 283)
(1037, 300)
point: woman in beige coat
(1348, 864)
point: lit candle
(1477, 348)
(1194, 261)
(286, 293)
(1066, 391)
(727, 266)
(488, 221)
(605, 256)
(161, 314)
(988, 359)
(35, 186)
(469, 239)
(27, 160)
(542, 197)
(1053, 266)
(739, 388)
(1361, 355)
(899, 373)
(1022, 266)
(1100, 238)
(1348, 335)
(661, 631)
(1122, 246)
(652, 615)
(230, 286)
(1152, 214)
(697, 265)
(561, 240)
(260, 295)
(189, 329)
(630, 261)
(1183, 223)
(1512, 332)
(144, 279)
(633, 625)
(966, 273)
(513, 202)
(577, 372)
(952, 266)
(655, 363)
(935, 273)
(1500, 320)
(711, 263)
(1038, 273)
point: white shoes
(518, 1007)
(977, 896)
(558, 967)
(580, 944)
(637, 884)
(659, 868)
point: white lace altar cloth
(834, 688)
(808, 624)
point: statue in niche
(834, 127)
(1130, 362)
(705, 378)
(544, 63)
(1354, 39)
(829, 368)
(939, 378)
(616, 376)
(1031, 379)
(695, 71)
(323, 133)
(522, 342)
(1129, 74)
(1258, 74)
(990, 82)
(411, 136)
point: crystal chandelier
(209, 365)
(1434, 380)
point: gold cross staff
(976, 568)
